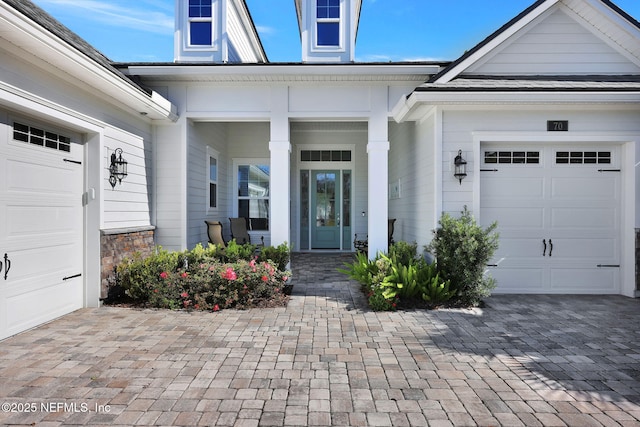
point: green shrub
(279, 255)
(379, 302)
(203, 278)
(462, 250)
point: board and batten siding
(557, 45)
(201, 136)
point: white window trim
(187, 28)
(216, 155)
(341, 23)
(247, 161)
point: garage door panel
(518, 280)
(520, 188)
(599, 250)
(576, 218)
(518, 248)
(577, 210)
(581, 280)
(514, 217)
(41, 231)
(41, 220)
(61, 298)
(52, 263)
(585, 188)
(38, 178)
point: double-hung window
(328, 22)
(253, 192)
(200, 23)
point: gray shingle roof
(48, 22)
(536, 83)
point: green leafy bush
(279, 255)
(210, 278)
(463, 249)
(400, 277)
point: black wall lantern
(118, 168)
(460, 167)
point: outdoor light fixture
(118, 168)
(460, 167)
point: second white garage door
(558, 214)
(41, 226)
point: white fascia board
(278, 71)
(409, 108)
(27, 35)
(492, 44)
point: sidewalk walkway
(327, 360)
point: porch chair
(239, 231)
(361, 244)
(214, 231)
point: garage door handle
(7, 266)
(544, 250)
(72, 277)
(550, 247)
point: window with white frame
(252, 192)
(328, 23)
(200, 15)
(212, 173)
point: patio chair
(361, 242)
(214, 231)
(239, 231)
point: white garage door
(558, 213)
(41, 226)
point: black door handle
(7, 266)
(544, 251)
(550, 247)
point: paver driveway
(327, 360)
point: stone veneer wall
(115, 245)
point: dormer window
(200, 23)
(328, 22)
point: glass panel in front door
(326, 205)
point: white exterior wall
(129, 204)
(412, 166)
(460, 126)
(201, 136)
(557, 45)
(237, 37)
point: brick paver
(326, 359)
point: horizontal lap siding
(215, 136)
(412, 161)
(128, 204)
(557, 45)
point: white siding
(237, 37)
(170, 182)
(129, 204)
(459, 128)
(202, 135)
(412, 162)
(557, 45)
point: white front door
(558, 210)
(41, 226)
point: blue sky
(390, 30)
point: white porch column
(378, 189)
(280, 191)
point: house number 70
(557, 125)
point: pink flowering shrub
(197, 281)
